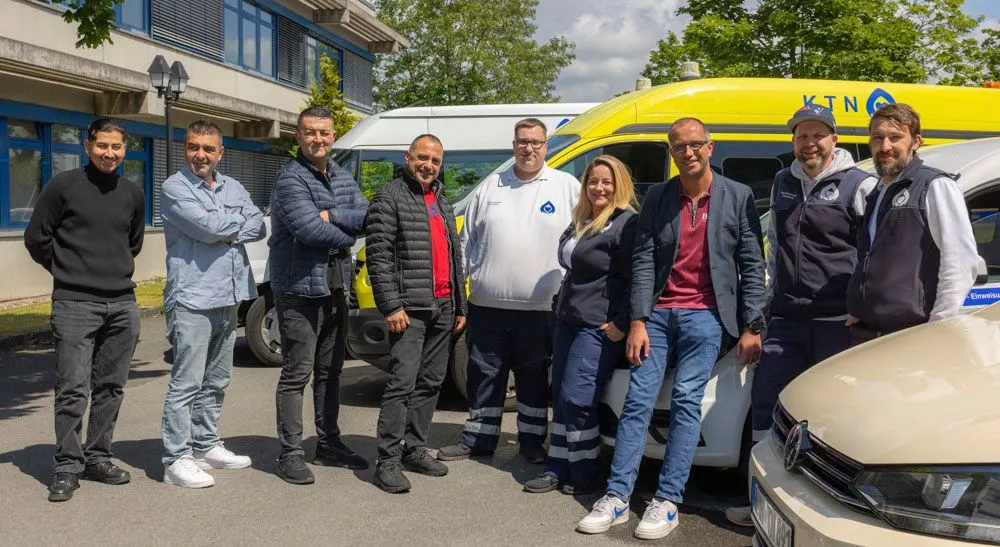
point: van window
(463, 170)
(379, 167)
(646, 160)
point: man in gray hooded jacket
(816, 208)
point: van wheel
(459, 366)
(262, 332)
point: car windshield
(987, 232)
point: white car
(725, 431)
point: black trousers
(94, 343)
(418, 364)
(313, 343)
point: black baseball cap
(813, 112)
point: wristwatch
(756, 326)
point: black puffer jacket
(398, 243)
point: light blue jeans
(203, 362)
(691, 339)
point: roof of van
(481, 110)
(764, 105)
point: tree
(326, 93)
(94, 20)
(891, 40)
(468, 52)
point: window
(646, 160)
(315, 50)
(249, 33)
(24, 169)
(377, 168)
(67, 148)
(462, 171)
(133, 15)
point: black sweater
(86, 229)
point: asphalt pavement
(479, 502)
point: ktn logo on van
(878, 98)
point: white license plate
(770, 523)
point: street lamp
(169, 82)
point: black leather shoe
(338, 454)
(106, 472)
(420, 461)
(533, 453)
(63, 486)
(390, 478)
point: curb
(43, 338)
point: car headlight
(961, 502)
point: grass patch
(35, 316)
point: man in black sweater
(86, 230)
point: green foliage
(94, 20)
(468, 52)
(891, 40)
(326, 93)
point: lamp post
(170, 82)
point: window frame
(146, 17)
(241, 14)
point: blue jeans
(692, 340)
(582, 361)
(203, 362)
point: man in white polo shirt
(510, 237)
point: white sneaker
(220, 457)
(607, 512)
(659, 520)
(184, 472)
(739, 516)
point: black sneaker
(106, 472)
(533, 453)
(460, 451)
(546, 482)
(585, 487)
(390, 478)
(63, 486)
(420, 461)
(338, 454)
(294, 470)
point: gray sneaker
(294, 470)
(420, 461)
(390, 478)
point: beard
(815, 162)
(890, 166)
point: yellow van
(746, 117)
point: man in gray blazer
(697, 278)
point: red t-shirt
(439, 247)
(689, 284)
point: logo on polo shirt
(547, 208)
(830, 193)
(901, 198)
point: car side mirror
(982, 272)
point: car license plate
(770, 523)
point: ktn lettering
(850, 103)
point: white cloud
(613, 40)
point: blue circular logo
(547, 208)
(878, 99)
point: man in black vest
(816, 207)
(905, 276)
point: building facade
(250, 65)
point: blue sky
(614, 37)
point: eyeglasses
(680, 147)
(527, 142)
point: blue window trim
(146, 17)
(47, 115)
(261, 25)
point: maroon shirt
(439, 247)
(689, 284)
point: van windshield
(461, 171)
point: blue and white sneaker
(607, 512)
(659, 520)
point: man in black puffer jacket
(415, 266)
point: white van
(476, 139)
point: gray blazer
(735, 251)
